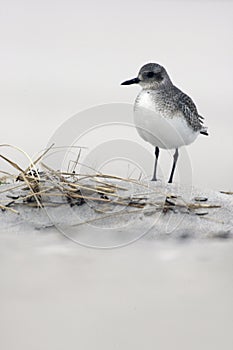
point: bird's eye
(150, 74)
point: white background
(60, 57)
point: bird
(164, 116)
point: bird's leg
(175, 157)
(154, 178)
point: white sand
(160, 292)
(156, 295)
(115, 225)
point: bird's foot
(154, 179)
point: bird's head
(150, 76)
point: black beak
(131, 81)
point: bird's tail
(204, 131)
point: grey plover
(164, 116)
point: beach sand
(56, 294)
(170, 288)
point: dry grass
(40, 186)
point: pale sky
(61, 57)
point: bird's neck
(158, 88)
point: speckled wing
(189, 110)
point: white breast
(164, 131)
